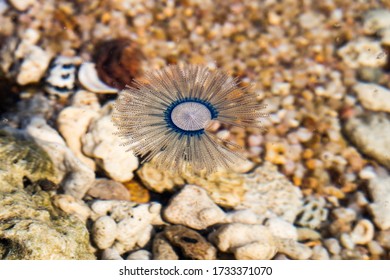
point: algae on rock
(31, 227)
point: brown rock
(192, 245)
(118, 62)
(162, 249)
(108, 190)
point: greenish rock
(31, 227)
(21, 158)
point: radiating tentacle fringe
(164, 117)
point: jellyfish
(166, 117)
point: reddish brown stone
(118, 62)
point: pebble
(281, 229)
(373, 97)
(310, 20)
(305, 234)
(363, 232)
(379, 189)
(22, 5)
(162, 249)
(294, 250)
(255, 140)
(375, 20)
(375, 248)
(256, 241)
(73, 122)
(158, 180)
(281, 88)
(333, 246)
(138, 193)
(142, 255)
(384, 239)
(304, 134)
(319, 253)
(104, 232)
(245, 216)
(257, 250)
(34, 65)
(346, 241)
(346, 215)
(362, 52)
(101, 143)
(367, 173)
(192, 245)
(193, 207)
(73, 206)
(108, 190)
(111, 254)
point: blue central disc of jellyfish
(190, 116)
(165, 117)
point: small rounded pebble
(108, 190)
(138, 193)
(345, 214)
(294, 250)
(363, 232)
(104, 232)
(319, 253)
(140, 255)
(333, 246)
(282, 229)
(346, 241)
(255, 251)
(111, 254)
(231, 237)
(367, 173)
(384, 239)
(305, 234)
(375, 248)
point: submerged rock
(379, 188)
(21, 158)
(31, 227)
(265, 191)
(367, 133)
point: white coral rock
(101, 143)
(379, 188)
(35, 59)
(73, 122)
(245, 241)
(104, 232)
(134, 224)
(363, 53)
(193, 208)
(77, 178)
(373, 97)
